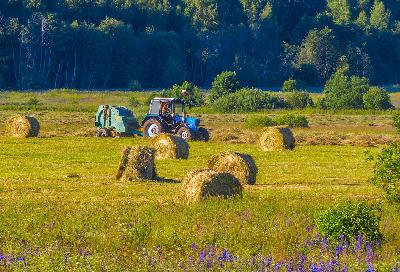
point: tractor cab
(167, 115)
(170, 109)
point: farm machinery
(166, 115)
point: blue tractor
(166, 115)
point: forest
(110, 44)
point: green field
(62, 208)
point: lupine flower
(224, 255)
(151, 261)
(194, 246)
(314, 268)
(268, 262)
(202, 256)
(370, 268)
(209, 264)
(344, 269)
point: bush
(299, 100)
(225, 83)
(348, 220)
(292, 120)
(377, 99)
(289, 85)
(134, 85)
(387, 172)
(257, 122)
(33, 102)
(247, 100)
(342, 92)
(133, 102)
(396, 121)
(193, 98)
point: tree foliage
(108, 44)
(377, 99)
(247, 100)
(387, 172)
(344, 92)
(224, 84)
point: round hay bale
(201, 184)
(242, 166)
(169, 146)
(137, 163)
(21, 126)
(276, 139)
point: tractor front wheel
(185, 134)
(103, 132)
(202, 135)
(152, 128)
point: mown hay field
(63, 209)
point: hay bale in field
(205, 183)
(242, 166)
(169, 146)
(137, 163)
(276, 139)
(21, 126)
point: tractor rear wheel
(202, 135)
(185, 134)
(103, 132)
(152, 128)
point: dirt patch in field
(233, 135)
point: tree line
(99, 44)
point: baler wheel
(103, 132)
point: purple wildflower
(369, 253)
(370, 268)
(314, 268)
(247, 214)
(338, 251)
(202, 256)
(209, 264)
(344, 269)
(194, 246)
(268, 262)
(151, 261)
(224, 255)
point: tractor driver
(166, 114)
(164, 109)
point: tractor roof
(169, 100)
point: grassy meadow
(63, 210)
